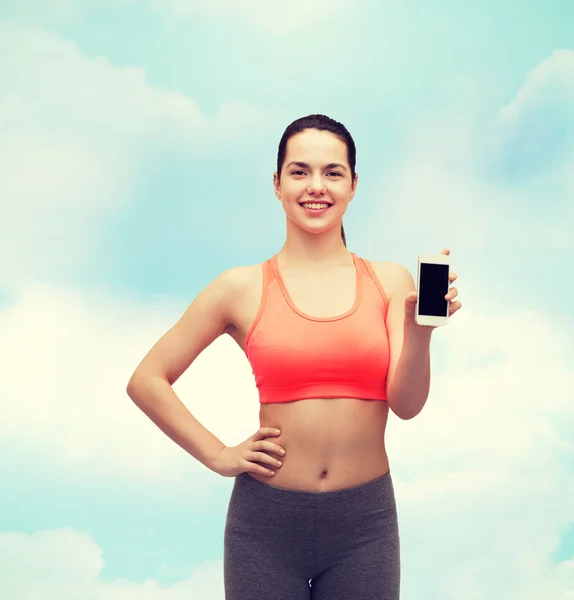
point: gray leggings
(295, 545)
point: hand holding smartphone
(432, 287)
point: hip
(364, 515)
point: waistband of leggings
(354, 493)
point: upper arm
(205, 319)
(402, 284)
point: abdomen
(330, 443)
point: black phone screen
(433, 287)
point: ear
(276, 186)
(354, 187)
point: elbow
(140, 381)
(405, 410)
(133, 389)
(403, 414)
(406, 415)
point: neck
(303, 249)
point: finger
(263, 446)
(454, 307)
(446, 251)
(262, 457)
(452, 277)
(264, 432)
(271, 447)
(410, 303)
(452, 293)
(255, 468)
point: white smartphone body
(432, 287)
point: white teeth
(315, 206)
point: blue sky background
(138, 142)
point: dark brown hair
(321, 123)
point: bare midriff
(330, 444)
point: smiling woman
(323, 330)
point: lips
(315, 212)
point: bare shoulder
(211, 313)
(235, 282)
(241, 275)
(391, 275)
(243, 288)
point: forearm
(409, 387)
(156, 398)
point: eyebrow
(306, 166)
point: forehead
(321, 145)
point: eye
(335, 173)
(297, 173)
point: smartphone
(432, 287)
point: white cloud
(534, 133)
(550, 83)
(467, 184)
(67, 358)
(483, 484)
(74, 133)
(66, 564)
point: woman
(333, 345)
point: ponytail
(343, 236)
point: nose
(316, 186)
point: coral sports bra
(294, 356)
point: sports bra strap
(372, 275)
(362, 267)
(268, 273)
